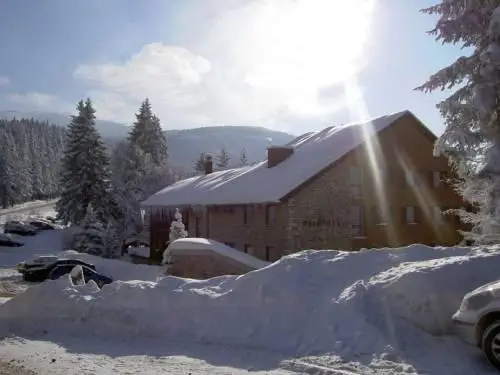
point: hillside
(184, 146)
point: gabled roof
(313, 152)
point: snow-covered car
(38, 269)
(41, 224)
(20, 228)
(88, 274)
(6, 240)
(477, 321)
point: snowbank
(379, 303)
(196, 246)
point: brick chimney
(209, 164)
(276, 154)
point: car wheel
(491, 343)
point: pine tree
(222, 159)
(199, 164)
(128, 170)
(85, 177)
(8, 170)
(471, 138)
(97, 237)
(177, 228)
(147, 134)
(90, 239)
(243, 158)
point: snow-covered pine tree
(8, 167)
(147, 134)
(85, 177)
(177, 228)
(97, 237)
(90, 238)
(471, 138)
(199, 164)
(222, 159)
(243, 158)
(128, 170)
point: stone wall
(319, 212)
(227, 224)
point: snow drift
(375, 302)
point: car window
(65, 268)
(87, 271)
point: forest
(29, 160)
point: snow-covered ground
(317, 312)
(20, 211)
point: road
(26, 207)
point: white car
(477, 321)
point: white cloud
(262, 62)
(37, 99)
(4, 81)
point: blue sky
(205, 62)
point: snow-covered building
(371, 184)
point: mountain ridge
(184, 145)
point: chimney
(209, 164)
(276, 154)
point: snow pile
(378, 303)
(200, 246)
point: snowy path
(65, 355)
(29, 206)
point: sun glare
(298, 46)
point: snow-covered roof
(203, 244)
(313, 152)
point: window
(248, 249)
(381, 215)
(270, 214)
(410, 215)
(269, 251)
(356, 220)
(355, 181)
(247, 214)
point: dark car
(37, 272)
(19, 228)
(6, 240)
(41, 224)
(88, 274)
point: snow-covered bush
(96, 237)
(177, 228)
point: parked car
(88, 274)
(6, 240)
(477, 321)
(41, 224)
(20, 228)
(39, 268)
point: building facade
(389, 191)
